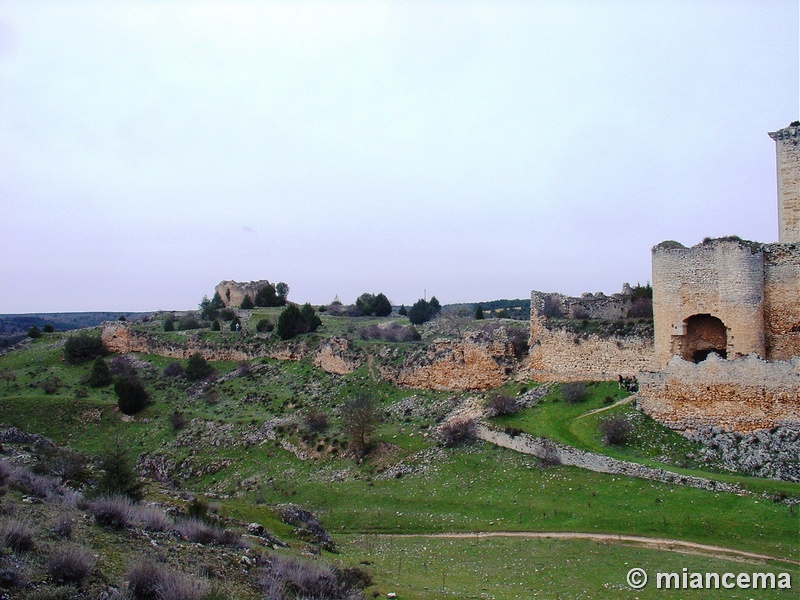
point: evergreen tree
(216, 325)
(282, 291)
(289, 322)
(266, 296)
(197, 368)
(479, 313)
(34, 332)
(247, 302)
(119, 475)
(100, 374)
(382, 307)
(310, 317)
(131, 395)
(169, 324)
(402, 312)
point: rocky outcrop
(337, 355)
(479, 360)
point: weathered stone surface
(733, 395)
(558, 355)
(336, 355)
(477, 361)
(233, 292)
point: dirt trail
(627, 400)
(606, 538)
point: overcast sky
(468, 150)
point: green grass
(473, 489)
(509, 568)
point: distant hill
(15, 327)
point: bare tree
(359, 419)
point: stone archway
(705, 334)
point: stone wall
(787, 150)
(720, 278)
(733, 395)
(476, 361)
(233, 292)
(560, 355)
(588, 306)
(782, 300)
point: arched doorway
(705, 335)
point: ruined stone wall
(782, 301)
(233, 292)
(588, 306)
(787, 149)
(734, 395)
(721, 278)
(560, 355)
(477, 361)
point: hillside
(251, 474)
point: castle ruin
(725, 351)
(726, 318)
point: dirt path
(647, 542)
(627, 400)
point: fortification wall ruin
(734, 395)
(787, 150)
(233, 292)
(560, 355)
(722, 279)
(782, 301)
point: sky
(468, 150)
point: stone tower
(787, 149)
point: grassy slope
(480, 488)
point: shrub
(17, 535)
(294, 321)
(458, 431)
(316, 421)
(216, 325)
(247, 302)
(501, 405)
(197, 368)
(264, 325)
(122, 366)
(69, 563)
(152, 518)
(616, 431)
(178, 586)
(143, 578)
(188, 322)
(100, 375)
(48, 328)
(82, 347)
(63, 526)
(63, 463)
(177, 421)
(131, 395)
(169, 324)
(115, 512)
(424, 311)
(574, 392)
(306, 580)
(119, 476)
(194, 530)
(50, 385)
(34, 332)
(174, 369)
(359, 419)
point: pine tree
(479, 313)
(100, 374)
(119, 475)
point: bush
(17, 536)
(131, 395)
(216, 325)
(143, 578)
(63, 526)
(616, 431)
(247, 302)
(82, 347)
(264, 325)
(188, 322)
(48, 329)
(424, 311)
(458, 431)
(194, 530)
(501, 405)
(174, 369)
(574, 392)
(152, 518)
(197, 368)
(177, 421)
(169, 324)
(100, 375)
(115, 512)
(316, 421)
(122, 366)
(34, 332)
(69, 563)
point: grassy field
(409, 484)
